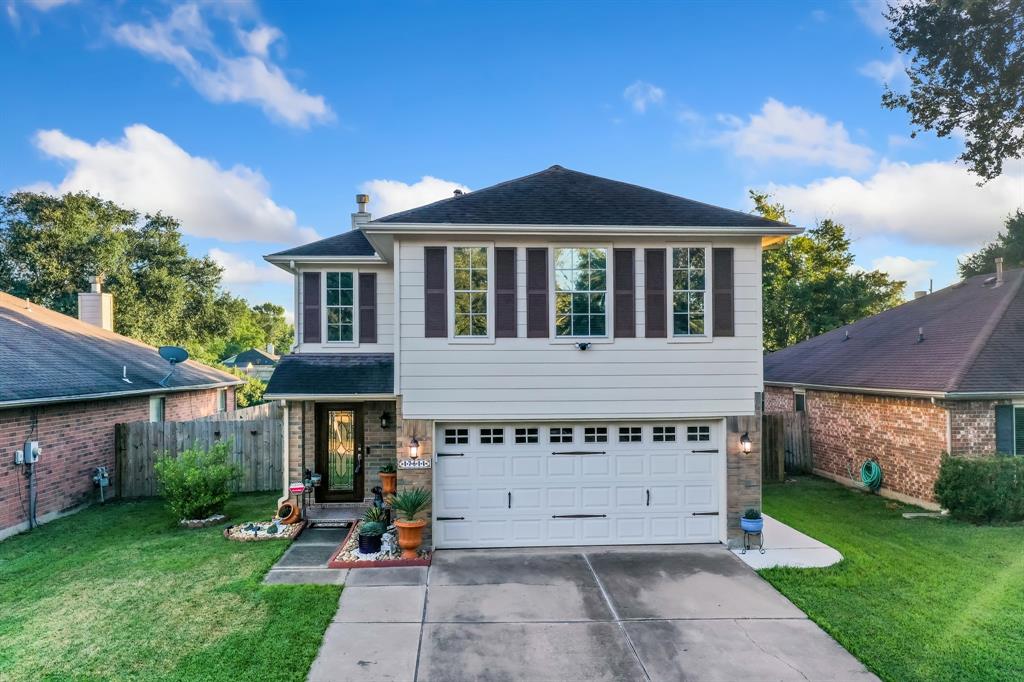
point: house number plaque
(414, 464)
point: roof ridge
(981, 340)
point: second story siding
(338, 309)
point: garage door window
(492, 436)
(456, 436)
(560, 434)
(630, 434)
(664, 434)
(595, 434)
(698, 434)
(527, 435)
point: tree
(810, 283)
(1009, 245)
(271, 319)
(966, 74)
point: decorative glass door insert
(341, 450)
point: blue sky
(255, 124)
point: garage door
(519, 485)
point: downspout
(285, 455)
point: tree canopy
(811, 285)
(50, 247)
(966, 74)
(1008, 245)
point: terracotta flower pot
(410, 537)
(388, 483)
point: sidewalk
(785, 546)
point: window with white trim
(799, 401)
(456, 436)
(630, 434)
(340, 304)
(527, 435)
(595, 434)
(581, 291)
(560, 434)
(470, 290)
(157, 408)
(698, 434)
(664, 434)
(689, 290)
(222, 400)
(492, 436)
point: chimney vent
(999, 271)
(96, 306)
(457, 192)
(920, 294)
(361, 216)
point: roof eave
(909, 393)
(772, 234)
(284, 262)
(329, 396)
(50, 400)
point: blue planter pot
(752, 525)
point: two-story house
(562, 358)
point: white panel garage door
(518, 485)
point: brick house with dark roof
(65, 383)
(943, 373)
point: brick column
(423, 430)
(743, 471)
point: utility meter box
(31, 451)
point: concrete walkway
(786, 546)
(306, 560)
(670, 613)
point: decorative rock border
(243, 532)
(352, 540)
(192, 524)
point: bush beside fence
(982, 489)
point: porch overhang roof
(333, 376)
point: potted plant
(389, 479)
(751, 521)
(406, 505)
(371, 530)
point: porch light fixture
(385, 419)
(745, 443)
(414, 448)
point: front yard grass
(920, 599)
(118, 592)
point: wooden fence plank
(787, 445)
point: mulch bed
(347, 555)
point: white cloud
(642, 94)
(780, 132)
(241, 271)
(38, 5)
(186, 42)
(892, 73)
(916, 273)
(147, 171)
(392, 196)
(872, 13)
(932, 203)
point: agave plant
(408, 503)
(375, 514)
(372, 528)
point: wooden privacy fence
(255, 448)
(785, 445)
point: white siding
(385, 311)
(548, 379)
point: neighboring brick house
(65, 383)
(943, 373)
(576, 360)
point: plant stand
(755, 535)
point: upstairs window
(470, 290)
(340, 303)
(581, 287)
(689, 291)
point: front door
(339, 453)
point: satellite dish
(174, 355)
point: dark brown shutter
(537, 293)
(311, 307)
(367, 307)
(655, 303)
(435, 292)
(722, 297)
(625, 293)
(505, 292)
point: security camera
(583, 345)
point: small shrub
(195, 483)
(751, 514)
(388, 469)
(408, 503)
(982, 489)
(372, 529)
(375, 514)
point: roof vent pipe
(920, 334)
(361, 216)
(999, 271)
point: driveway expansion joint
(615, 615)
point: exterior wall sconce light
(745, 443)
(385, 419)
(414, 448)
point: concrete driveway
(673, 613)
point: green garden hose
(871, 475)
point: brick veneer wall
(972, 426)
(906, 435)
(423, 431)
(75, 438)
(779, 399)
(743, 472)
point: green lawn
(118, 592)
(922, 599)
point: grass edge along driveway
(914, 599)
(119, 592)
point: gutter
(945, 395)
(115, 394)
(329, 396)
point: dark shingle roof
(351, 243)
(45, 356)
(333, 374)
(253, 356)
(973, 342)
(559, 196)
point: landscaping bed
(256, 531)
(349, 556)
